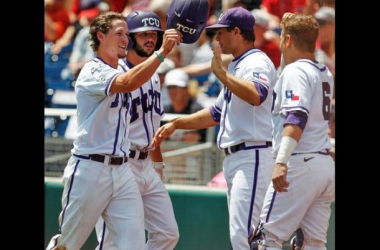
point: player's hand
(280, 184)
(162, 133)
(217, 58)
(170, 38)
(216, 63)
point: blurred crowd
(186, 78)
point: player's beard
(140, 51)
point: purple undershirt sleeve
(297, 118)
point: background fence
(186, 163)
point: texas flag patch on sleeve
(292, 95)
(260, 77)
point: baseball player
(243, 110)
(303, 181)
(98, 180)
(145, 114)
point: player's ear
(288, 41)
(99, 34)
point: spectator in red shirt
(266, 40)
(277, 8)
(56, 19)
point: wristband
(287, 146)
(159, 56)
(158, 165)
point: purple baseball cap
(235, 17)
(189, 17)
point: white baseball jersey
(102, 121)
(305, 86)
(239, 120)
(146, 110)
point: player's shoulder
(91, 70)
(262, 59)
(308, 65)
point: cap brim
(217, 26)
(181, 85)
(142, 29)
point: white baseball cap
(261, 17)
(176, 77)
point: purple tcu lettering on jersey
(148, 102)
(150, 21)
(185, 29)
(124, 100)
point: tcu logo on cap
(185, 29)
(150, 21)
(221, 15)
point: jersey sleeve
(97, 78)
(296, 91)
(258, 74)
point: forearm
(204, 68)
(293, 131)
(199, 120)
(138, 75)
(156, 155)
(197, 69)
(243, 89)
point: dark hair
(247, 35)
(102, 23)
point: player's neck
(303, 55)
(243, 48)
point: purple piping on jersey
(298, 118)
(68, 193)
(108, 86)
(151, 113)
(122, 66)
(117, 129)
(215, 113)
(143, 117)
(254, 186)
(244, 55)
(123, 139)
(263, 91)
(271, 206)
(294, 107)
(224, 125)
(109, 82)
(313, 64)
(103, 233)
